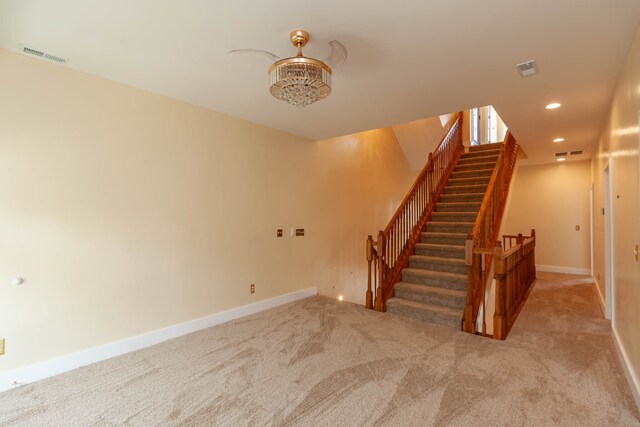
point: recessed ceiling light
(561, 159)
(553, 106)
(558, 140)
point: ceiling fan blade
(262, 52)
(338, 54)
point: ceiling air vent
(41, 54)
(563, 154)
(575, 153)
(527, 68)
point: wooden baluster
(468, 325)
(369, 295)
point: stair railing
(481, 241)
(389, 254)
(514, 271)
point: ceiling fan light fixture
(300, 81)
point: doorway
(474, 121)
(609, 277)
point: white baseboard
(600, 296)
(629, 372)
(49, 368)
(566, 270)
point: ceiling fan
(301, 80)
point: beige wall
(552, 199)
(618, 148)
(466, 126)
(421, 137)
(127, 212)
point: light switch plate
(1, 346)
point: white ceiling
(407, 59)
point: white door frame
(609, 276)
(474, 122)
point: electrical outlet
(577, 228)
(299, 231)
(252, 288)
(279, 232)
(1, 346)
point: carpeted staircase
(433, 287)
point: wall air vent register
(42, 54)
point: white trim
(629, 372)
(48, 368)
(600, 296)
(609, 242)
(567, 270)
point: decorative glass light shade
(300, 81)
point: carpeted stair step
(435, 278)
(442, 251)
(449, 227)
(477, 160)
(480, 154)
(458, 207)
(472, 173)
(485, 147)
(431, 295)
(427, 312)
(454, 216)
(458, 239)
(474, 166)
(475, 188)
(447, 265)
(455, 182)
(462, 197)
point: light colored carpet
(322, 362)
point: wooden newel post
(381, 271)
(533, 254)
(499, 324)
(369, 295)
(467, 324)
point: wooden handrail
(509, 240)
(485, 232)
(388, 255)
